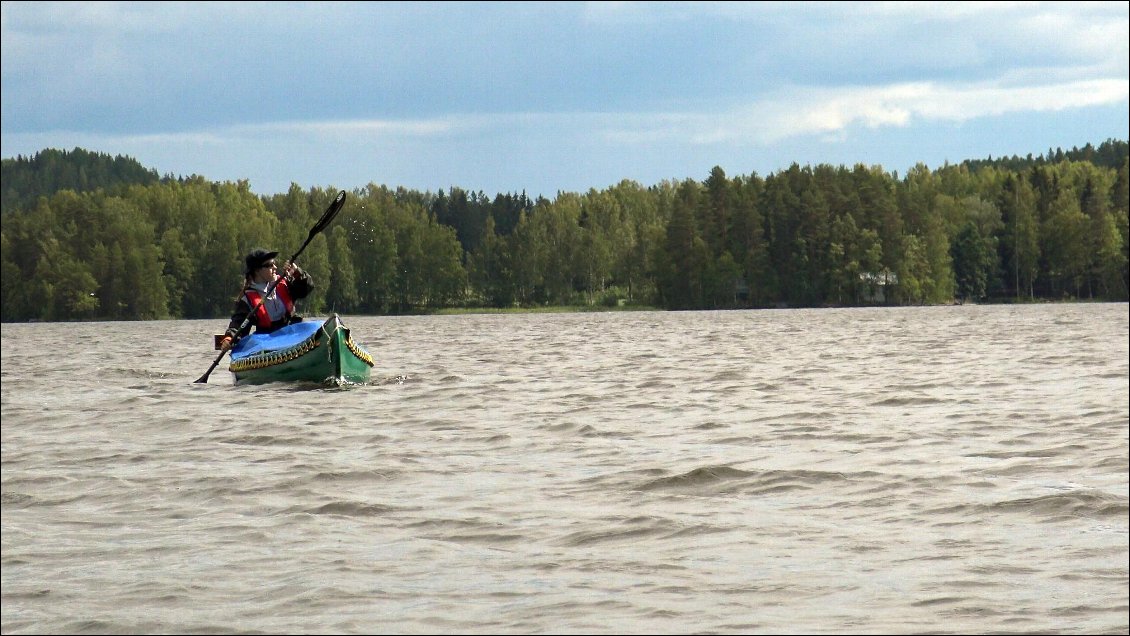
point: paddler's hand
(292, 271)
(225, 344)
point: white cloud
(822, 111)
(797, 112)
(373, 128)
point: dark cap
(256, 259)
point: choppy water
(942, 469)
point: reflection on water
(941, 469)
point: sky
(549, 97)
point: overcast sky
(544, 97)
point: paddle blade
(204, 378)
(328, 216)
(330, 213)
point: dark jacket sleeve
(301, 286)
(238, 314)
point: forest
(87, 236)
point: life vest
(262, 316)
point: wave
(728, 480)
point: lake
(958, 469)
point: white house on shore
(874, 285)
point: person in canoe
(277, 310)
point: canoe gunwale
(269, 359)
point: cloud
(795, 112)
(832, 111)
(555, 93)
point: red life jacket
(262, 317)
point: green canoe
(306, 351)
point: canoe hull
(303, 352)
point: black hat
(256, 259)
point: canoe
(307, 351)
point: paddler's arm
(299, 282)
(239, 314)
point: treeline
(805, 236)
(25, 179)
(1110, 154)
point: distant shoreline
(562, 309)
(590, 309)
